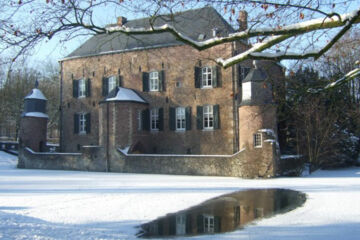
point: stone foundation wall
(90, 159)
(248, 163)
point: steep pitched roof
(255, 75)
(192, 23)
(35, 94)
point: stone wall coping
(124, 151)
(92, 146)
(51, 153)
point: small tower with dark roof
(120, 112)
(33, 126)
(257, 121)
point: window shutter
(88, 87)
(172, 223)
(76, 123)
(216, 117)
(105, 86)
(188, 224)
(199, 117)
(120, 81)
(88, 123)
(146, 119)
(200, 223)
(188, 118)
(162, 81)
(161, 119)
(217, 224)
(172, 118)
(145, 78)
(75, 88)
(216, 81)
(197, 77)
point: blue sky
(54, 50)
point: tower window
(257, 140)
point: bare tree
(275, 27)
(18, 84)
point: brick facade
(178, 65)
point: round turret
(33, 125)
(35, 104)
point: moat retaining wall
(248, 163)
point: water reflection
(225, 213)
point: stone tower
(257, 122)
(33, 125)
(120, 113)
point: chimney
(242, 20)
(121, 21)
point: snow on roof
(124, 94)
(36, 114)
(36, 94)
(268, 132)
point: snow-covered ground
(42, 204)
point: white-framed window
(206, 77)
(82, 88)
(180, 119)
(154, 81)
(154, 119)
(180, 224)
(139, 120)
(111, 83)
(208, 117)
(209, 224)
(82, 123)
(257, 140)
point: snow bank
(44, 204)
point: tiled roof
(192, 23)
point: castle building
(151, 94)
(188, 104)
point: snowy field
(42, 204)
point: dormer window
(215, 32)
(201, 37)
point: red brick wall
(178, 63)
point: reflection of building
(225, 213)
